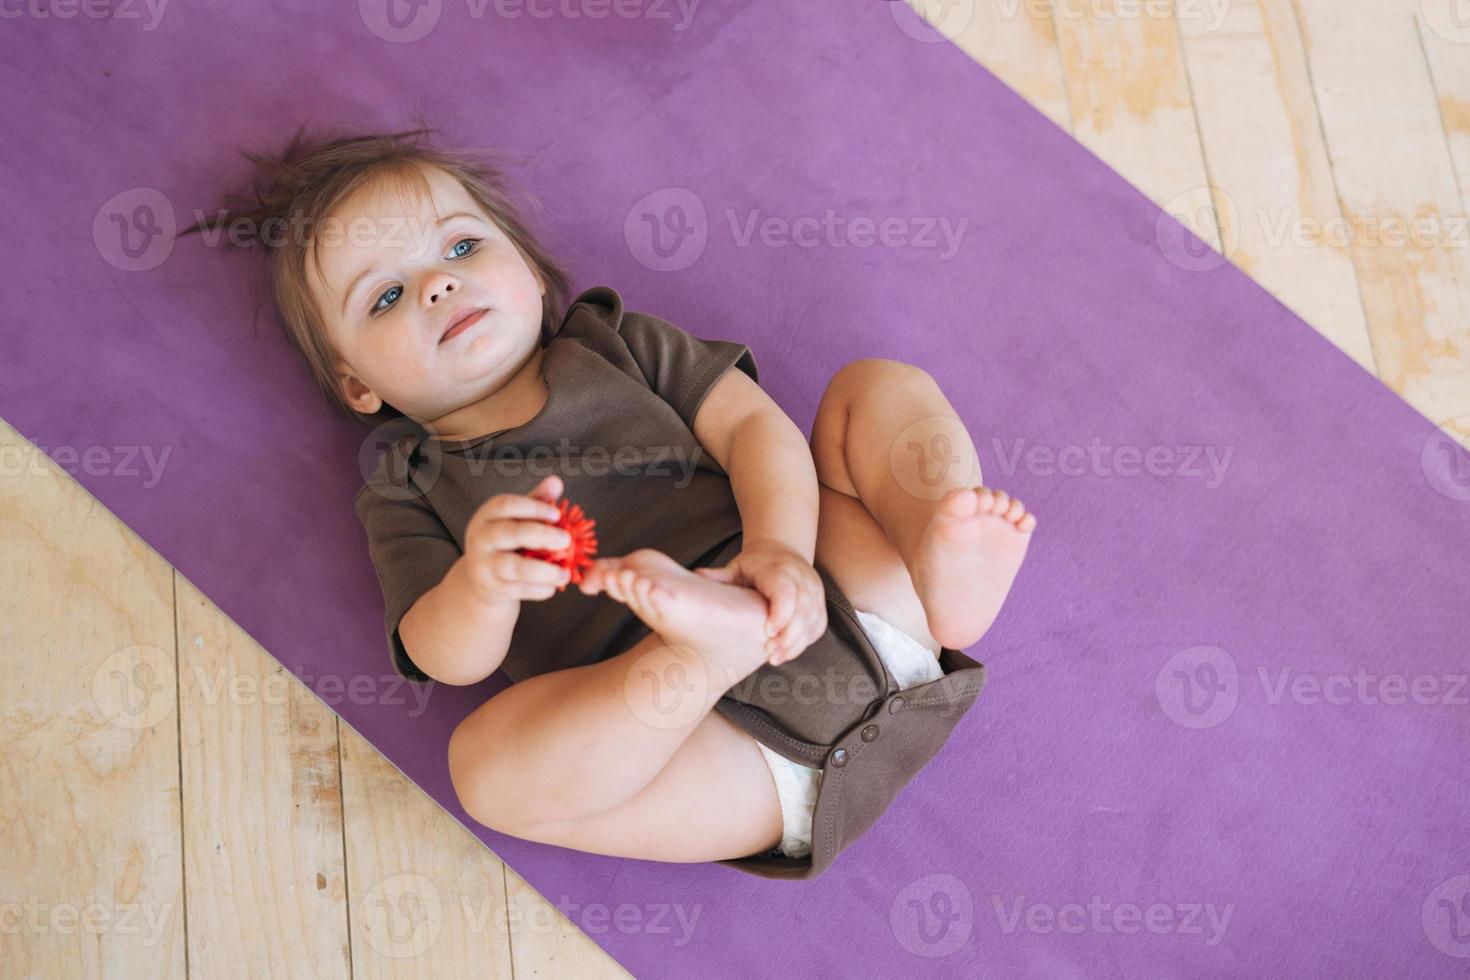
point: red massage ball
(577, 556)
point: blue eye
(394, 291)
(391, 294)
(464, 241)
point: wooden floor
(1322, 145)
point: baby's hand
(498, 528)
(792, 588)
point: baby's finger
(532, 593)
(510, 567)
(548, 489)
(809, 623)
(783, 606)
(510, 535)
(793, 638)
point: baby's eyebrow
(347, 297)
(352, 288)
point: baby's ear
(358, 395)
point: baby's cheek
(521, 290)
(521, 297)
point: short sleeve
(678, 366)
(412, 551)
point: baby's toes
(1015, 511)
(628, 580)
(615, 584)
(1002, 501)
(1027, 523)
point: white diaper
(911, 663)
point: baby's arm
(459, 631)
(774, 481)
(454, 637)
(767, 458)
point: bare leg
(886, 438)
(577, 742)
(714, 800)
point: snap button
(870, 733)
(839, 757)
(895, 706)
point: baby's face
(396, 272)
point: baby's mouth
(463, 323)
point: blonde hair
(311, 178)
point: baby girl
(723, 683)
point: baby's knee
(474, 779)
(876, 377)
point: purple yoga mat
(1224, 732)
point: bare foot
(966, 559)
(726, 622)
